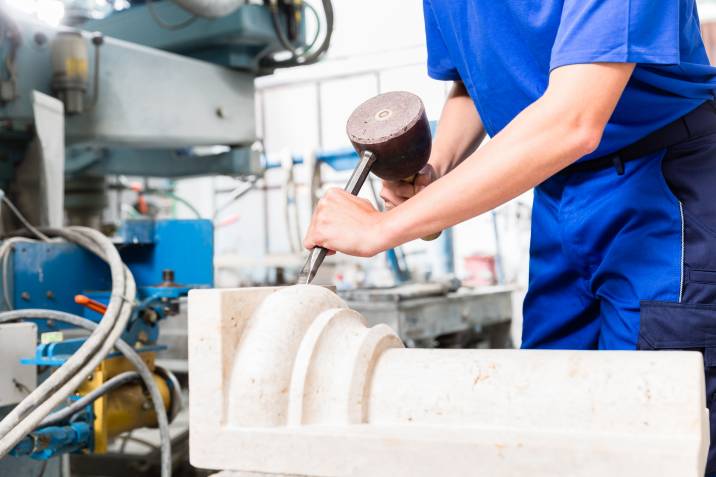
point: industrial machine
(142, 88)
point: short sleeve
(440, 66)
(617, 31)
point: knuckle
(388, 185)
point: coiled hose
(132, 357)
(68, 377)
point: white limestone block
(290, 381)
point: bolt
(168, 275)
(50, 295)
(97, 39)
(90, 377)
(25, 296)
(146, 406)
(220, 112)
(50, 323)
(40, 38)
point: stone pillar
(290, 381)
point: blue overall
(623, 251)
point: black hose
(76, 406)
(302, 59)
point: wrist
(387, 232)
(441, 164)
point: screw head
(168, 275)
(40, 38)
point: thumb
(424, 177)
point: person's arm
(460, 132)
(566, 123)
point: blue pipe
(48, 442)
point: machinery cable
(130, 438)
(234, 196)
(23, 219)
(166, 25)
(43, 468)
(283, 39)
(89, 398)
(132, 357)
(306, 57)
(77, 363)
(179, 199)
(59, 385)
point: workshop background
(198, 148)
(301, 112)
(490, 249)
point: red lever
(91, 304)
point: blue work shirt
(504, 50)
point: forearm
(546, 137)
(460, 131)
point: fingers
(424, 178)
(390, 198)
(314, 239)
(335, 201)
(395, 193)
(404, 189)
(339, 196)
(422, 181)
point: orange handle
(428, 238)
(91, 304)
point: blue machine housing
(49, 275)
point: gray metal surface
(14, 467)
(174, 333)
(242, 161)
(239, 40)
(39, 185)
(148, 98)
(17, 341)
(151, 98)
(419, 315)
(23, 467)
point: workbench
(429, 315)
